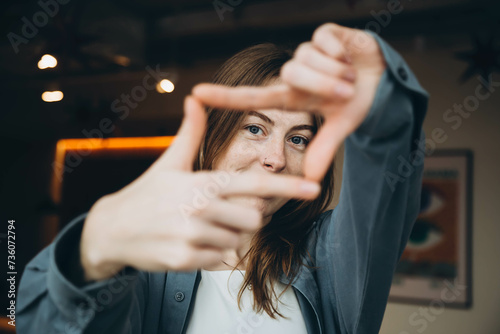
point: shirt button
(179, 296)
(402, 73)
(83, 303)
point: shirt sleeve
(362, 239)
(49, 301)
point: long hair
(279, 246)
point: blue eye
(299, 140)
(253, 129)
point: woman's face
(278, 137)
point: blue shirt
(356, 246)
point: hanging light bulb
(52, 96)
(47, 61)
(165, 86)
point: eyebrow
(270, 121)
(261, 116)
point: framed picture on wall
(435, 268)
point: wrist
(94, 248)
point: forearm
(370, 226)
(54, 298)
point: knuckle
(194, 233)
(173, 262)
(287, 71)
(327, 27)
(330, 26)
(190, 257)
(184, 260)
(303, 52)
(320, 34)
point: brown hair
(280, 245)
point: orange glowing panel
(82, 148)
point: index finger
(248, 97)
(270, 185)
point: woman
(150, 257)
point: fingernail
(198, 90)
(309, 188)
(350, 75)
(195, 90)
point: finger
(302, 77)
(270, 185)
(322, 149)
(208, 256)
(181, 154)
(231, 215)
(310, 56)
(187, 257)
(245, 97)
(203, 233)
(330, 39)
(280, 96)
(354, 42)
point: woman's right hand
(171, 218)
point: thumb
(181, 154)
(322, 150)
(357, 43)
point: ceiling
(111, 36)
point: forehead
(286, 118)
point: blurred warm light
(83, 146)
(165, 86)
(53, 96)
(47, 61)
(122, 60)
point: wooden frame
(435, 268)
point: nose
(273, 157)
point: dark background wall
(105, 48)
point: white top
(216, 308)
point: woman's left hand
(335, 74)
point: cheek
(238, 155)
(295, 161)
